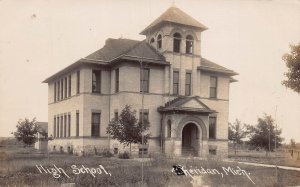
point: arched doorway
(190, 140)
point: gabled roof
(207, 65)
(120, 48)
(113, 48)
(175, 15)
(186, 104)
(117, 49)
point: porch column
(203, 149)
(177, 147)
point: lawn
(281, 157)
(18, 168)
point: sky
(39, 38)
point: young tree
(264, 133)
(127, 129)
(292, 61)
(26, 131)
(237, 132)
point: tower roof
(175, 15)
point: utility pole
(269, 137)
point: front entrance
(190, 140)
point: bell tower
(177, 36)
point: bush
(124, 155)
(106, 153)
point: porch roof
(186, 104)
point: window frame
(116, 115)
(69, 85)
(142, 81)
(143, 114)
(69, 125)
(54, 91)
(78, 82)
(189, 44)
(212, 136)
(213, 88)
(176, 92)
(159, 41)
(169, 129)
(54, 127)
(77, 123)
(61, 125)
(188, 85)
(95, 127)
(66, 87)
(57, 129)
(97, 82)
(62, 88)
(117, 80)
(177, 42)
(65, 125)
(58, 90)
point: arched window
(169, 129)
(189, 44)
(176, 42)
(159, 43)
(152, 41)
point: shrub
(124, 155)
(106, 153)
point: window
(189, 44)
(54, 127)
(175, 82)
(159, 42)
(57, 128)
(145, 117)
(213, 87)
(117, 81)
(188, 80)
(116, 150)
(65, 125)
(143, 151)
(96, 81)
(116, 115)
(69, 125)
(62, 89)
(69, 85)
(61, 126)
(55, 92)
(169, 129)
(96, 124)
(212, 151)
(58, 90)
(176, 42)
(78, 82)
(152, 41)
(144, 83)
(77, 123)
(212, 127)
(66, 87)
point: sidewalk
(265, 165)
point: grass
(18, 169)
(281, 157)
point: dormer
(176, 32)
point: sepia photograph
(149, 93)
